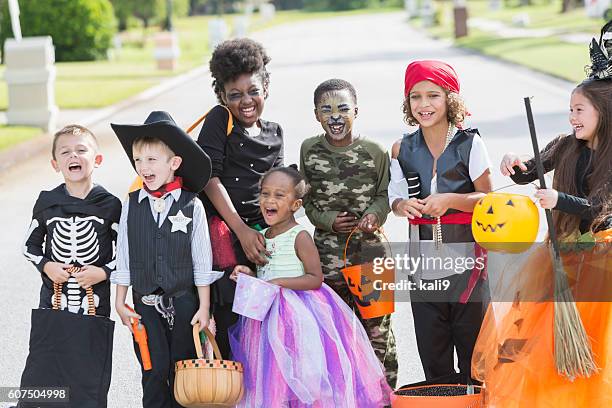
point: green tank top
(283, 261)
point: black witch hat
(601, 54)
(195, 168)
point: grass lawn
(12, 135)
(549, 54)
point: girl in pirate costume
(242, 147)
(75, 224)
(438, 174)
(515, 353)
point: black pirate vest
(159, 258)
(453, 171)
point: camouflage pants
(331, 248)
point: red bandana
(166, 188)
(438, 72)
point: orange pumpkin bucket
(367, 284)
(203, 382)
(438, 396)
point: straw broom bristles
(573, 354)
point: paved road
(371, 52)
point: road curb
(34, 146)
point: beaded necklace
(437, 233)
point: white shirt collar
(143, 193)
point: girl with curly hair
(438, 174)
(242, 147)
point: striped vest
(159, 258)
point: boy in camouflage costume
(349, 179)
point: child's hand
(435, 205)
(240, 269)
(369, 223)
(56, 271)
(125, 315)
(345, 222)
(547, 198)
(254, 245)
(410, 208)
(202, 316)
(509, 161)
(89, 276)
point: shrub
(334, 5)
(82, 30)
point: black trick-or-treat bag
(72, 351)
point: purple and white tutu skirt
(309, 351)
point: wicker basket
(437, 396)
(203, 382)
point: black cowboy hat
(195, 168)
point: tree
(82, 30)
(335, 5)
(568, 5)
(288, 4)
(149, 11)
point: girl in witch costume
(163, 248)
(75, 224)
(514, 354)
(452, 166)
(239, 156)
(310, 350)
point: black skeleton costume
(78, 232)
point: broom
(573, 354)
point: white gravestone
(30, 76)
(241, 26)
(167, 50)
(267, 11)
(411, 7)
(217, 32)
(427, 13)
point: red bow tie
(166, 188)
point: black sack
(70, 350)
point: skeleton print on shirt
(75, 232)
(75, 241)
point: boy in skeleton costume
(163, 249)
(75, 224)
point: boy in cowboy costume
(163, 248)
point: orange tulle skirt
(514, 353)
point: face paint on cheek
(336, 112)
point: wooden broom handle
(198, 343)
(57, 294)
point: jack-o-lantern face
(505, 222)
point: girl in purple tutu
(310, 350)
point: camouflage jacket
(354, 178)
